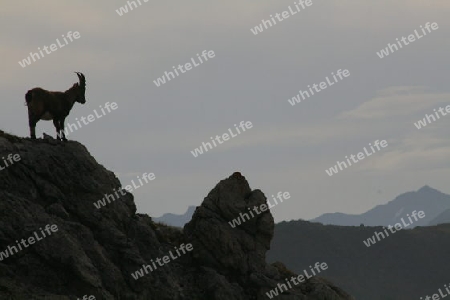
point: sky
(250, 78)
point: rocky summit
(56, 245)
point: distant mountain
(406, 265)
(431, 201)
(176, 220)
(441, 219)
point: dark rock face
(233, 251)
(239, 254)
(95, 251)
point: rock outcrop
(96, 251)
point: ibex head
(81, 88)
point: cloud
(396, 101)
(416, 152)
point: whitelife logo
(187, 67)
(439, 296)
(147, 177)
(281, 287)
(281, 17)
(225, 137)
(319, 87)
(90, 118)
(360, 156)
(391, 48)
(162, 261)
(86, 297)
(262, 208)
(53, 47)
(9, 161)
(124, 9)
(397, 226)
(430, 118)
(31, 240)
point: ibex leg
(63, 133)
(58, 129)
(32, 120)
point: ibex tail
(28, 97)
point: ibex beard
(56, 106)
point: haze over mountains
(435, 204)
(427, 199)
(441, 219)
(402, 266)
(176, 220)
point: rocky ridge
(95, 251)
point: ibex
(46, 105)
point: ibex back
(56, 106)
